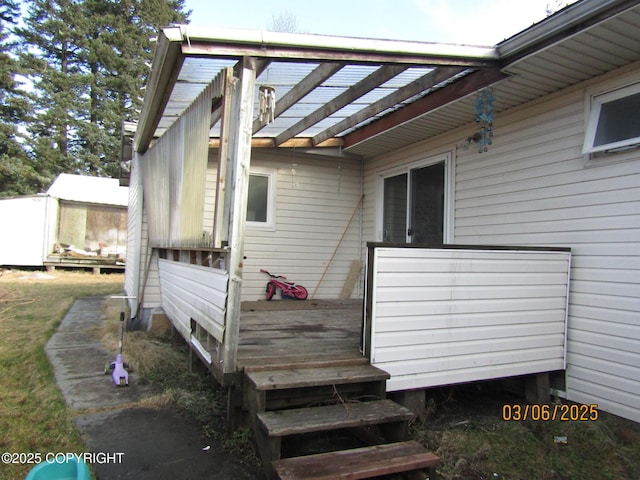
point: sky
(473, 22)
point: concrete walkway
(143, 443)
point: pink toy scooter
(118, 373)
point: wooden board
(316, 419)
(352, 278)
(308, 377)
(358, 463)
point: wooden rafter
(354, 92)
(306, 85)
(460, 88)
(423, 83)
(296, 142)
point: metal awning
(370, 96)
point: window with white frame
(261, 200)
(614, 120)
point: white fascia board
(347, 44)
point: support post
(414, 400)
(537, 388)
(239, 160)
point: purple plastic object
(119, 375)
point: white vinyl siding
(535, 187)
(315, 198)
(442, 316)
(194, 292)
(134, 263)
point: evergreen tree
(87, 61)
(17, 176)
(52, 47)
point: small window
(260, 200)
(614, 120)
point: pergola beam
(296, 142)
(306, 85)
(354, 92)
(458, 89)
(423, 83)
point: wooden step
(281, 423)
(313, 377)
(285, 361)
(358, 463)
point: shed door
(413, 206)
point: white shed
(28, 229)
(78, 214)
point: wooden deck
(297, 333)
(303, 374)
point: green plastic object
(69, 470)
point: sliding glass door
(414, 204)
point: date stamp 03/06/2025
(550, 412)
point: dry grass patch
(164, 361)
(33, 415)
(465, 428)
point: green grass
(33, 415)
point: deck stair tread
(281, 423)
(311, 377)
(293, 361)
(359, 463)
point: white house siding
(443, 316)
(315, 198)
(143, 284)
(534, 187)
(149, 277)
(194, 292)
(134, 237)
